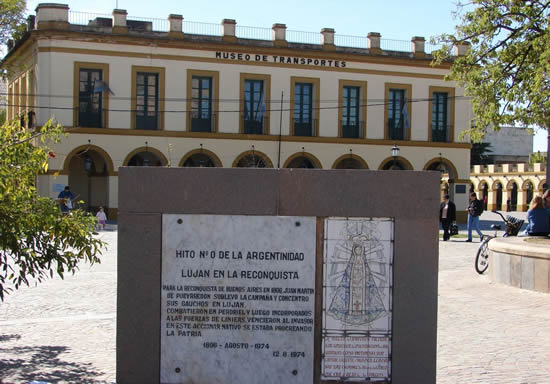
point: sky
(393, 19)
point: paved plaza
(63, 331)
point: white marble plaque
(357, 299)
(238, 299)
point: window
(397, 111)
(441, 114)
(201, 104)
(304, 106)
(255, 90)
(91, 101)
(353, 114)
(202, 100)
(254, 106)
(350, 112)
(147, 98)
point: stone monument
(276, 276)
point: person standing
(447, 214)
(101, 218)
(475, 209)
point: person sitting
(538, 219)
(66, 198)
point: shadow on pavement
(41, 363)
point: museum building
(145, 92)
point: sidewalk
(64, 331)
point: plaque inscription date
(232, 345)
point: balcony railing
(441, 135)
(202, 122)
(351, 130)
(302, 128)
(253, 127)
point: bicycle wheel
(482, 257)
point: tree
(12, 19)
(537, 157)
(36, 239)
(479, 154)
(507, 69)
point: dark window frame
(198, 122)
(147, 121)
(88, 117)
(303, 122)
(351, 111)
(440, 116)
(395, 113)
(254, 112)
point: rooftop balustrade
(48, 14)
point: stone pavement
(63, 331)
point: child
(102, 218)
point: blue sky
(393, 19)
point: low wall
(522, 262)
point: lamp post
(395, 155)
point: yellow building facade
(508, 187)
(130, 95)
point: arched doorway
(484, 193)
(88, 179)
(513, 196)
(145, 159)
(252, 159)
(302, 160)
(350, 162)
(396, 164)
(199, 160)
(498, 191)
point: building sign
(237, 299)
(278, 59)
(357, 302)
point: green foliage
(12, 19)
(36, 239)
(507, 69)
(537, 157)
(479, 154)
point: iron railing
(255, 33)
(302, 128)
(351, 130)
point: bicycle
(512, 228)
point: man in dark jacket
(475, 209)
(447, 214)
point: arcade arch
(397, 164)
(302, 160)
(350, 161)
(252, 159)
(145, 157)
(200, 157)
(88, 168)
